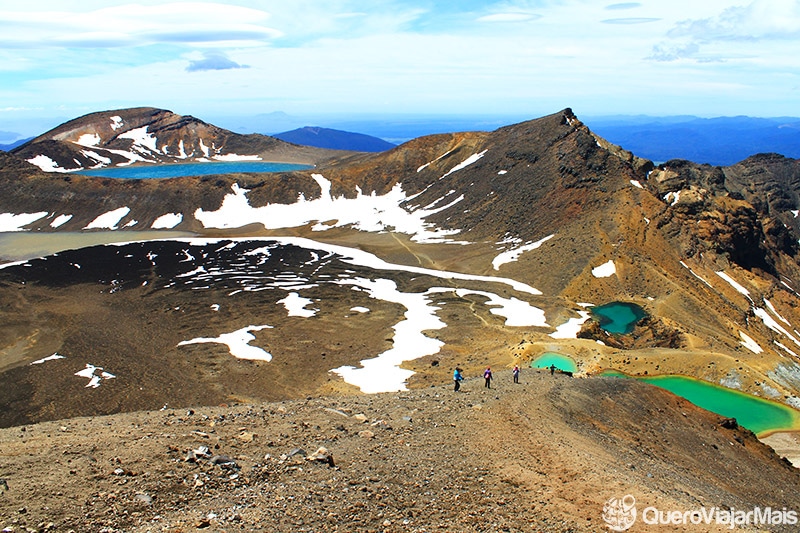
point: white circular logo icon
(619, 514)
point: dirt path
(544, 455)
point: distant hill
(716, 141)
(149, 135)
(334, 139)
(11, 146)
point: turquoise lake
(618, 317)
(561, 362)
(191, 169)
(759, 415)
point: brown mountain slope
(544, 455)
(690, 244)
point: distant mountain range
(334, 139)
(11, 146)
(716, 141)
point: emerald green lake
(759, 415)
(561, 362)
(618, 317)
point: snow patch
(513, 254)
(365, 213)
(204, 149)
(605, 270)
(97, 157)
(235, 157)
(773, 325)
(693, 273)
(141, 139)
(116, 122)
(775, 312)
(672, 197)
(88, 140)
(95, 379)
(467, 162)
(383, 373)
(47, 164)
(571, 328)
(296, 305)
(423, 167)
(733, 283)
(167, 221)
(109, 220)
(516, 312)
(749, 343)
(238, 343)
(12, 222)
(787, 349)
(53, 357)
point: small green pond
(759, 415)
(561, 362)
(618, 317)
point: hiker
(552, 369)
(457, 379)
(487, 375)
(516, 374)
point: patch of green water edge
(760, 415)
(561, 362)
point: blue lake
(618, 317)
(191, 169)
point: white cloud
(190, 23)
(732, 33)
(762, 19)
(510, 57)
(213, 61)
(509, 17)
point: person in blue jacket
(457, 379)
(487, 375)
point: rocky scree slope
(543, 455)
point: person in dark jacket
(487, 375)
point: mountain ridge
(549, 192)
(334, 139)
(150, 135)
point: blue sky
(456, 57)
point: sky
(527, 58)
